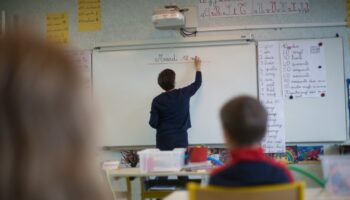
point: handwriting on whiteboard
(229, 8)
(171, 58)
(303, 69)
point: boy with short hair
(244, 122)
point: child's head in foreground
(46, 148)
(244, 121)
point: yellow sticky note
(89, 15)
(57, 27)
(348, 12)
(348, 21)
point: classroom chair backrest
(292, 191)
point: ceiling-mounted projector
(171, 17)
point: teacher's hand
(198, 63)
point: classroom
(291, 58)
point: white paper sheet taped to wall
(270, 95)
(232, 8)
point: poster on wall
(270, 95)
(57, 27)
(303, 69)
(275, 138)
(232, 8)
(89, 15)
(288, 70)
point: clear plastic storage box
(154, 160)
(336, 170)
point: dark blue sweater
(170, 115)
(250, 167)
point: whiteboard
(316, 118)
(321, 119)
(125, 82)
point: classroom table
(136, 173)
(310, 194)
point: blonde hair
(45, 138)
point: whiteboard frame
(171, 43)
(164, 44)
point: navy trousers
(170, 140)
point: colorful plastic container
(198, 154)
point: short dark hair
(166, 79)
(244, 119)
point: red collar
(239, 154)
(247, 154)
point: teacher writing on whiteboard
(170, 112)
